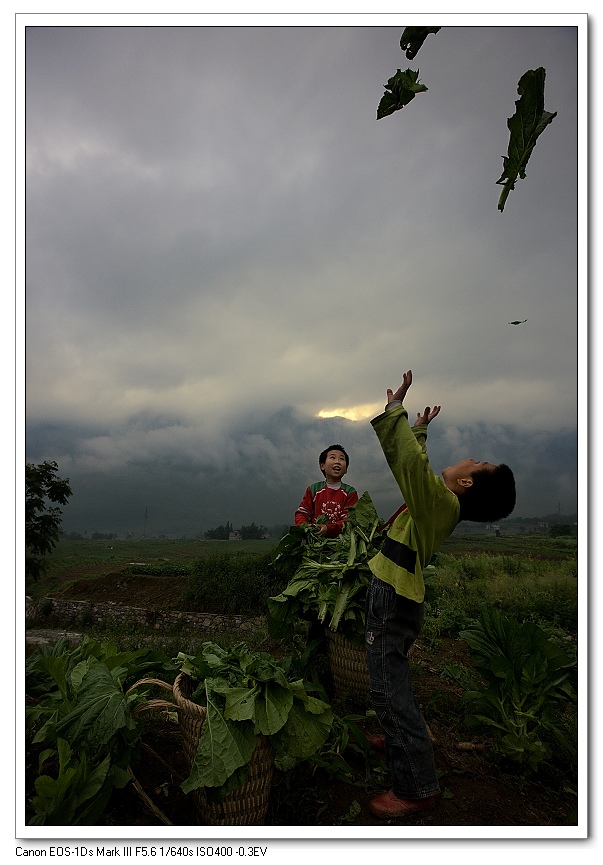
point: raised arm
(400, 394)
(405, 448)
(427, 416)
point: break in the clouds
(225, 247)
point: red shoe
(390, 805)
(377, 741)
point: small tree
(220, 533)
(42, 485)
(252, 532)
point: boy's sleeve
(420, 434)
(305, 511)
(405, 450)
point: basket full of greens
(241, 714)
(328, 581)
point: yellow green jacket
(432, 509)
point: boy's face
(458, 477)
(334, 466)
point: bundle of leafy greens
(84, 716)
(529, 681)
(330, 576)
(246, 694)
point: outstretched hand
(428, 415)
(402, 390)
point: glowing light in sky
(358, 412)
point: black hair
(323, 456)
(490, 497)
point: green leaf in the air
(413, 38)
(529, 120)
(399, 91)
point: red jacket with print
(320, 498)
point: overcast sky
(224, 245)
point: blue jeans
(392, 625)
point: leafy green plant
(352, 812)
(522, 586)
(529, 681)
(245, 694)
(528, 122)
(232, 584)
(79, 793)
(85, 717)
(52, 668)
(330, 575)
(346, 738)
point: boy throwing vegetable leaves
(434, 505)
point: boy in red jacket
(330, 497)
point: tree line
(245, 533)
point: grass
(97, 558)
(531, 544)
(75, 553)
(523, 587)
(528, 577)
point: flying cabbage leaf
(529, 120)
(400, 90)
(413, 39)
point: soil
(477, 789)
(133, 590)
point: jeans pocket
(376, 609)
(378, 602)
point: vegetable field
(494, 671)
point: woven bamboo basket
(246, 806)
(348, 666)
(148, 706)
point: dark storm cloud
(257, 471)
(217, 227)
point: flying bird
(518, 322)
